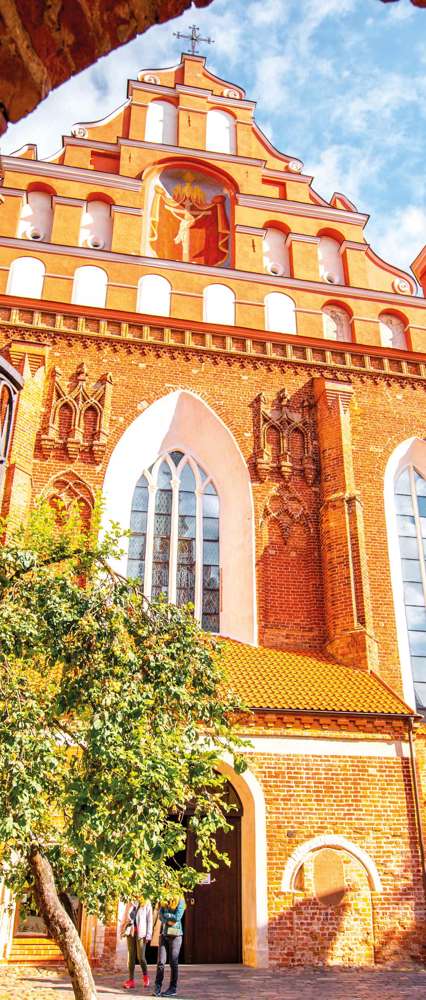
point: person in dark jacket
(170, 943)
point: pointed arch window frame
(412, 513)
(202, 482)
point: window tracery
(174, 544)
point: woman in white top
(136, 925)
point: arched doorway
(213, 931)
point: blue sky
(340, 84)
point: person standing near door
(136, 926)
(170, 943)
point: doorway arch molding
(183, 421)
(254, 872)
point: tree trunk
(61, 927)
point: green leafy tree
(113, 713)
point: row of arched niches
(188, 216)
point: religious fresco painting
(190, 218)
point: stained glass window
(410, 505)
(174, 543)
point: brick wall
(368, 801)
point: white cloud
(338, 168)
(400, 236)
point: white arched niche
(26, 277)
(153, 295)
(254, 862)
(219, 304)
(220, 132)
(330, 261)
(89, 286)
(280, 313)
(35, 222)
(409, 452)
(96, 225)
(161, 123)
(183, 422)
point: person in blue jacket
(169, 946)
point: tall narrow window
(90, 286)
(219, 304)
(26, 277)
(174, 544)
(280, 313)
(154, 295)
(220, 134)
(336, 323)
(392, 331)
(161, 123)
(410, 503)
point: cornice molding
(321, 287)
(301, 208)
(30, 322)
(63, 172)
(186, 151)
(281, 175)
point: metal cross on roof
(195, 37)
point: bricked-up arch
(297, 859)
(183, 422)
(40, 50)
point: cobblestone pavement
(226, 982)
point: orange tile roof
(286, 680)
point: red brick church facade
(200, 333)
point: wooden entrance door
(213, 915)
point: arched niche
(153, 295)
(35, 221)
(188, 215)
(161, 122)
(26, 277)
(393, 331)
(220, 132)
(89, 286)
(299, 855)
(280, 313)
(182, 421)
(96, 224)
(219, 304)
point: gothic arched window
(161, 123)
(410, 505)
(220, 133)
(392, 331)
(154, 295)
(336, 323)
(280, 313)
(90, 286)
(26, 277)
(174, 545)
(219, 304)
